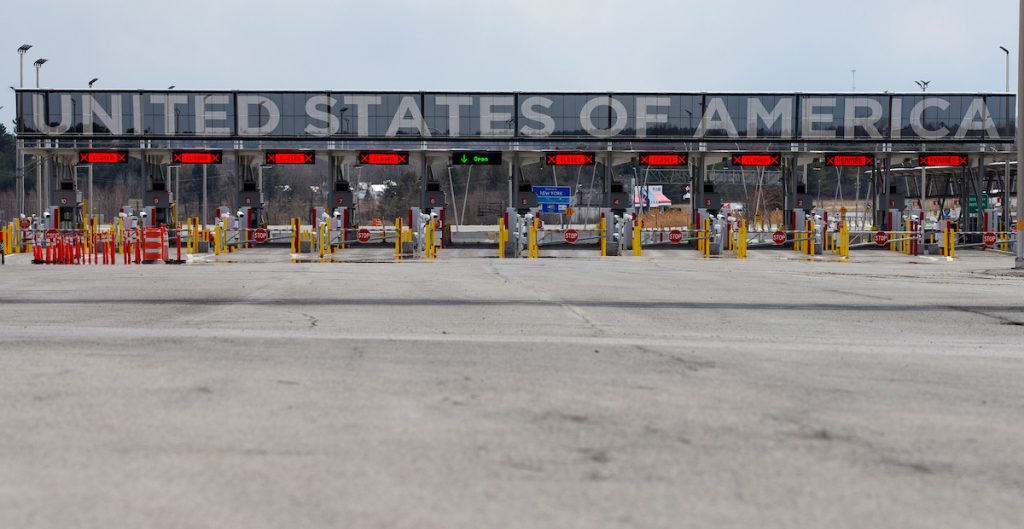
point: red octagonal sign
(571, 236)
(675, 236)
(881, 238)
(260, 236)
(363, 235)
(779, 237)
(989, 239)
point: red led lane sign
(384, 158)
(102, 156)
(290, 157)
(663, 158)
(757, 159)
(202, 157)
(569, 158)
(942, 160)
(849, 160)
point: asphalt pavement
(470, 392)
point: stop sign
(363, 235)
(52, 235)
(571, 236)
(779, 237)
(989, 239)
(25, 223)
(261, 235)
(881, 238)
(675, 236)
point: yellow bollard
(844, 241)
(531, 240)
(741, 239)
(320, 241)
(637, 234)
(398, 238)
(744, 235)
(706, 238)
(700, 237)
(602, 232)
(428, 240)
(501, 237)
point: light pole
(21, 62)
(1006, 164)
(1019, 262)
(38, 64)
(93, 81)
(204, 195)
(1007, 52)
(923, 85)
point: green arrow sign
(476, 158)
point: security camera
(46, 214)
(337, 214)
(240, 213)
(143, 214)
(21, 216)
(123, 215)
(817, 217)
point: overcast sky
(557, 45)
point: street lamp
(1019, 261)
(170, 87)
(93, 81)
(21, 62)
(1007, 52)
(923, 85)
(39, 64)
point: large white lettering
(586, 117)
(530, 112)
(489, 115)
(313, 110)
(757, 114)
(408, 116)
(917, 113)
(977, 117)
(454, 104)
(869, 123)
(644, 117)
(245, 125)
(205, 115)
(110, 119)
(362, 104)
(716, 117)
(811, 117)
(41, 120)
